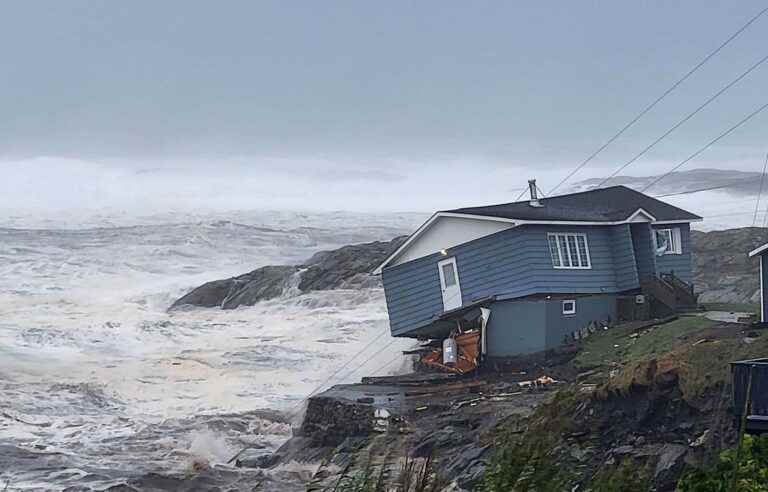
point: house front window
(668, 241)
(569, 250)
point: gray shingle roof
(611, 204)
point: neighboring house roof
(759, 251)
(603, 206)
(611, 204)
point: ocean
(100, 385)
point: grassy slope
(694, 351)
(618, 346)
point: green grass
(616, 345)
(732, 307)
(752, 475)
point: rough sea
(100, 386)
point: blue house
(545, 268)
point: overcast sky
(357, 105)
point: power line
(686, 118)
(759, 194)
(341, 368)
(381, 368)
(707, 145)
(520, 195)
(659, 99)
(297, 406)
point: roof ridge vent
(534, 202)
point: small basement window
(569, 307)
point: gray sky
(367, 105)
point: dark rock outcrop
(723, 270)
(343, 268)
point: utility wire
(297, 406)
(381, 368)
(707, 145)
(760, 193)
(521, 195)
(659, 99)
(341, 368)
(682, 121)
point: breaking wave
(100, 386)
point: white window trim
(568, 248)
(569, 312)
(676, 248)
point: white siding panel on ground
(447, 232)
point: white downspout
(485, 314)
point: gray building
(546, 268)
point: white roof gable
(447, 232)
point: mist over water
(99, 384)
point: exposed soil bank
(654, 400)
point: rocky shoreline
(348, 267)
(633, 421)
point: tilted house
(545, 268)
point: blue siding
(681, 265)
(523, 327)
(516, 327)
(591, 309)
(645, 250)
(511, 263)
(625, 266)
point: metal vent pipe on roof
(534, 194)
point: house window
(569, 250)
(668, 241)
(449, 274)
(569, 307)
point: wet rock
(701, 440)
(578, 453)
(622, 450)
(471, 461)
(261, 284)
(262, 460)
(348, 267)
(329, 421)
(670, 456)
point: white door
(449, 283)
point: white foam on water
(94, 368)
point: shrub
(752, 471)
